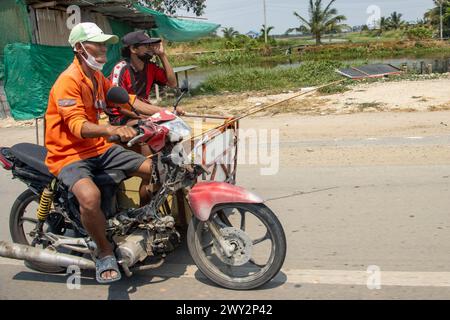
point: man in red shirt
(137, 73)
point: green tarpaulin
(30, 71)
(14, 23)
(13, 13)
(173, 29)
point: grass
(272, 80)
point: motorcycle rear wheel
(27, 203)
(226, 272)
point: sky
(246, 15)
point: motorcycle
(226, 248)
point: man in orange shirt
(76, 142)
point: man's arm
(92, 130)
(171, 79)
(146, 108)
(129, 114)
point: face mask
(90, 61)
(146, 57)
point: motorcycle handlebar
(114, 138)
(135, 139)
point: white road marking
(387, 278)
(298, 276)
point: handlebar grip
(114, 138)
(135, 139)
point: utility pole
(265, 22)
(441, 21)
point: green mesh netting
(13, 13)
(31, 70)
(176, 29)
(114, 51)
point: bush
(419, 33)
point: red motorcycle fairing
(162, 116)
(205, 195)
(158, 137)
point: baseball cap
(88, 31)
(138, 37)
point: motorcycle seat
(34, 155)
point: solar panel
(370, 71)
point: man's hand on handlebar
(124, 133)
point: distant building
(253, 34)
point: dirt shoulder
(401, 96)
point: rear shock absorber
(45, 202)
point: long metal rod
(249, 113)
(37, 130)
(205, 116)
(259, 109)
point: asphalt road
(339, 221)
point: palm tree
(396, 21)
(432, 16)
(385, 23)
(263, 30)
(320, 20)
(229, 33)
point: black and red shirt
(135, 82)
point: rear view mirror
(117, 95)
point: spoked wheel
(22, 221)
(254, 240)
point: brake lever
(134, 140)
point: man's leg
(144, 192)
(144, 171)
(133, 163)
(93, 219)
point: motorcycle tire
(263, 213)
(18, 234)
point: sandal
(108, 263)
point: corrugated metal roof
(52, 29)
(118, 9)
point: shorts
(115, 158)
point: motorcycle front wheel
(255, 240)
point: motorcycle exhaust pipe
(23, 252)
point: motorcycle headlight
(178, 129)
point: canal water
(435, 64)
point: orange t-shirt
(72, 102)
